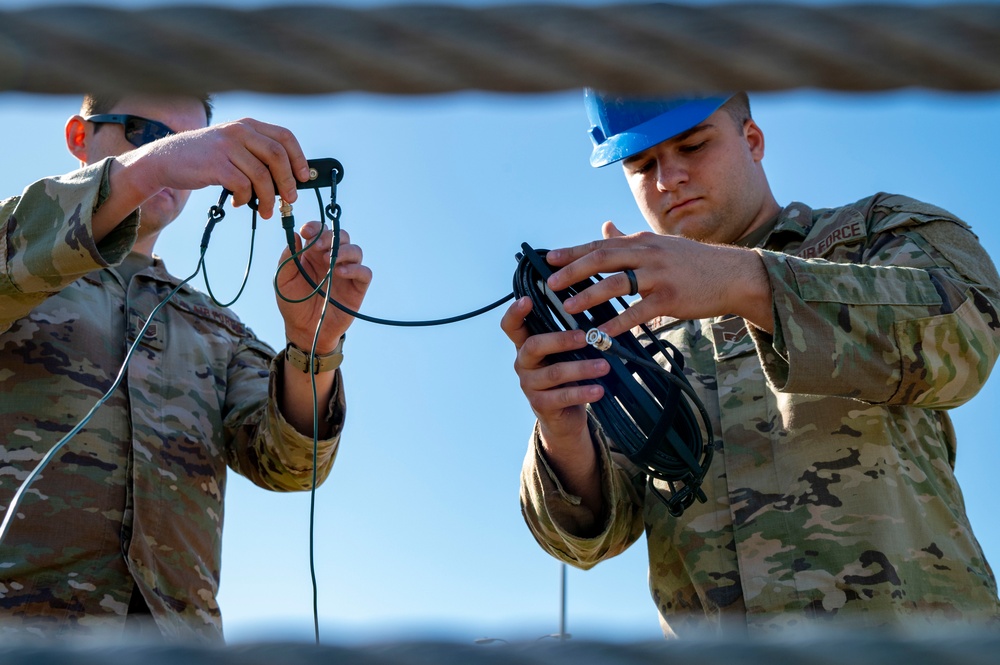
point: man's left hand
(676, 277)
(347, 286)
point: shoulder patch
(897, 211)
(846, 225)
(656, 324)
(251, 341)
(221, 317)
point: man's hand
(677, 277)
(242, 156)
(348, 286)
(558, 400)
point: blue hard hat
(623, 126)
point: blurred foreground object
(857, 649)
(415, 49)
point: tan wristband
(299, 359)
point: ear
(755, 139)
(77, 138)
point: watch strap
(299, 359)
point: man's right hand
(559, 400)
(243, 156)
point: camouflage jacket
(136, 497)
(831, 498)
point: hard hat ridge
(621, 126)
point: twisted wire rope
(418, 49)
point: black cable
(215, 215)
(646, 410)
(333, 171)
(647, 419)
(332, 212)
(315, 456)
(15, 502)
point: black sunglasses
(138, 131)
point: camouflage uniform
(135, 500)
(832, 498)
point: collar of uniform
(157, 271)
(757, 237)
(794, 218)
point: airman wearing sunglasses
(125, 523)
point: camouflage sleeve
(46, 241)
(915, 322)
(566, 529)
(263, 446)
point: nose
(670, 173)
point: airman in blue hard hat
(693, 163)
(826, 346)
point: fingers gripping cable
(647, 411)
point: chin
(151, 214)
(689, 231)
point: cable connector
(604, 342)
(599, 339)
(287, 218)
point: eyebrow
(679, 138)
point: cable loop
(646, 409)
(215, 215)
(332, 211)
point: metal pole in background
(563, 635)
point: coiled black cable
(643, 410)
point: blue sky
(418, 528)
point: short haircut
(103, 102)
(738, 108)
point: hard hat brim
(657, 130)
